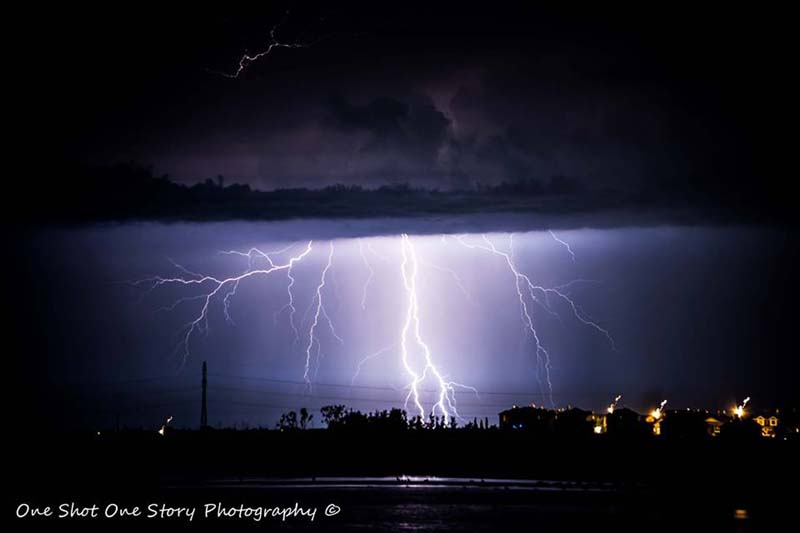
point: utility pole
(203, 410)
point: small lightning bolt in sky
(373, 355)
(452, 273)
(246, 59)
(369, 277)
(564, 244)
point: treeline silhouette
(572, 424)
(388, 443)
(129, 191)
(339, 417)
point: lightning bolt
(289, 305)
(367, 358)
(246, 59)
(523, 284)
(320, 313)
(446, 390)
(362, 251)
(217, 286)
(520, 281)
(369, 277)
(564, 244)
(415, 353)
(452, 273)
(371, 250)
(250, 255)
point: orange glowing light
(613, 404)
(657, 413)
(738, 411)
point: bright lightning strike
(415, 353)
(446, 402)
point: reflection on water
(413, 482)
(432, 503)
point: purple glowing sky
(674, 298)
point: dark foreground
(411, 481)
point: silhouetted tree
(288, 421)
(332, 415)
(305, 418)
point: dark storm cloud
(540, 123)
(128, 192)
(416, 126)
(402, 137)
(603, 107)
(495, 127)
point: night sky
(443, 97)
(658, 103)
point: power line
(100, 383)
(203, 406)
(139, 407)
(374, 387)
(346, 398)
